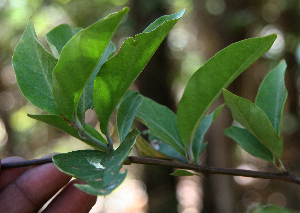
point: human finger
(71, 199)
(9, 175)
(32, 189)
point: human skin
(27, 189)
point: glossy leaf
(272, 95)
(255, 121)
(161, 122)
(118, 73)
(59, 36)
(98, 169)
(78, 61)
(126, 113)
(198, 146)
(206, 84)
(87, 96)
(249, 143)
(33, 67)
(61, 124)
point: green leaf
(249, 143)
(271, 209)
(164, 148)
(77, 62)
(63, 125)
(163, 19)
(87, 96)
(272, 95)
(126, 113)
(161, 122)
(59, 36)
(94, 133)
(206, 84)
(100, 170)
(255, 121)
(145, 149)
(180, 172)
(197, 146)
(33, 67)
(118, 73)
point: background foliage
(206, 27)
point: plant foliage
(82, 73)
(261, 120)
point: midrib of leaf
(242, 117)
(164, 130)
(34, 86)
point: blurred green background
(207, 27)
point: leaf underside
(126, 113)
(33, 67)
(98, 169)
(161, 122)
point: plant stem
(109, 140)
(205, 170)
(34, 162)
(85, 135)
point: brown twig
(205, 170)
(18, 164)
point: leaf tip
(180, 13)
(126, 9)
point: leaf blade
(126, 114)
(87, 96)
(255, 121)
(100, 170)
(249, 143)
(59, 36)
(272, 95)
(161, 146)
(118, 73)
(33, 67)
(206, 84)
(59, 123)
(78, 60)
(161, 122)
(145, 149)
(181, 172)
(198, 147)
